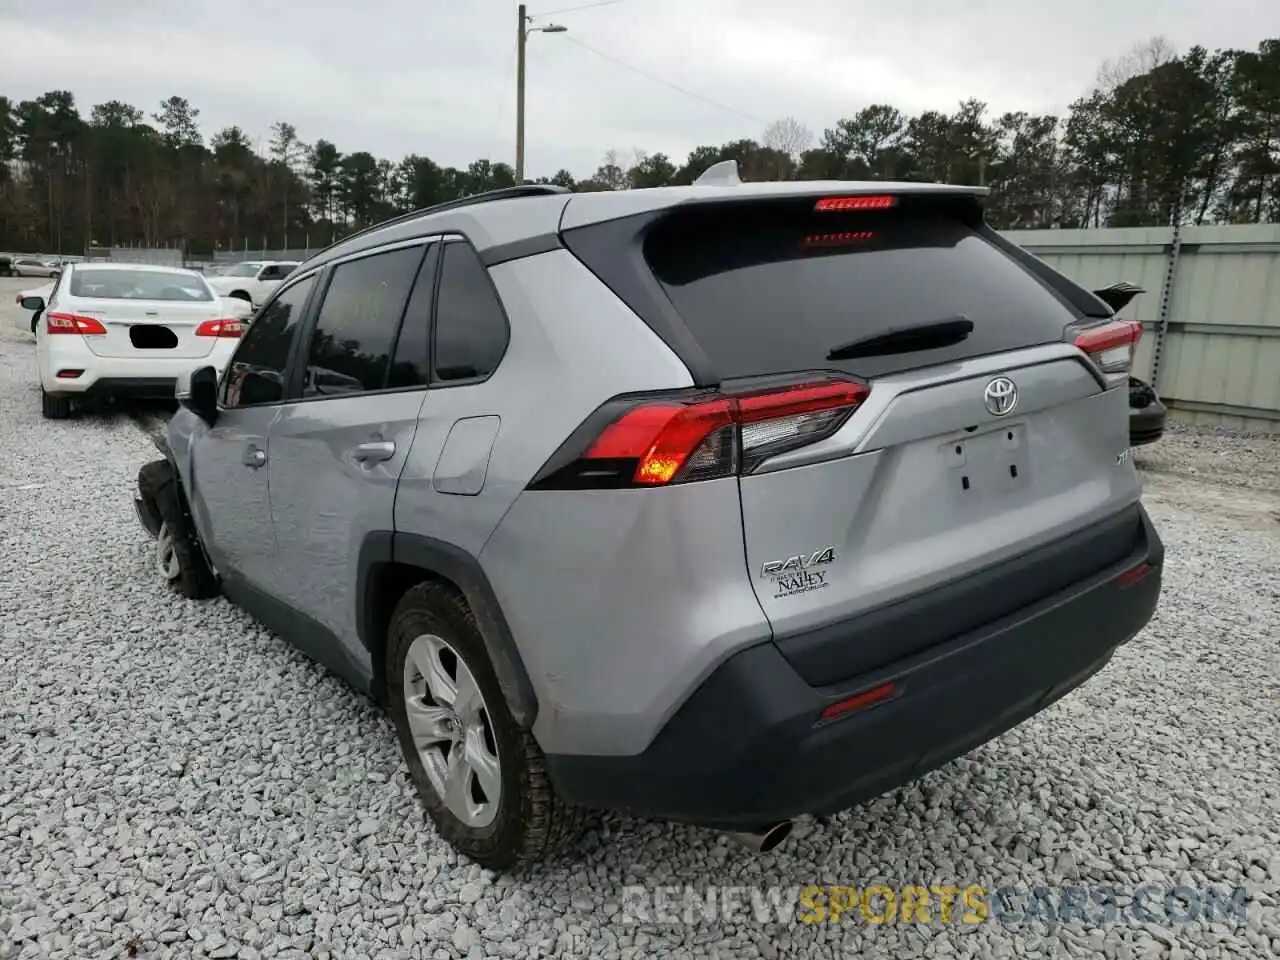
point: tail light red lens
(226, 327)
(679, 440)
(74, 323)
(864, 202)
(1111, 346)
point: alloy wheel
(452, 731)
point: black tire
(158, 484)
(54, 407)
(532, 824)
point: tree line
(1162, 138)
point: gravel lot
(175, 781)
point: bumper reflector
(859, 701)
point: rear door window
(776, 288)
(355, 329)
(411, 363)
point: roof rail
(505, 193)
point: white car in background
(125, 330)
(253, 280)
(231, 306)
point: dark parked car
(1146, 413)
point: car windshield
(242, 270)
(138, 285)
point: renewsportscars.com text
(934, 904)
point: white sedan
(254, 280)
(125, 330)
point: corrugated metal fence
(224, 258)
(1211, 313)
(155, 256)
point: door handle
(374, 451)
(253, 457)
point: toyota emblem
(1000, 396)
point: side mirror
(32, 303)
(198, 392)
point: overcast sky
(435, 78)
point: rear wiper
(923, 336)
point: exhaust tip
(764, 839)
(774, 836)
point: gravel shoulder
(175, 781)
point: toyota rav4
(725, 504)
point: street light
(525, 30)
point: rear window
(138, 285)
(765, 289)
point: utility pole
(520, 42)
(521, 38)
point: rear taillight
(1111, 346)
(226, 327)
(667, 440)
(74, 323)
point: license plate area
(985, 464)
(146, 336)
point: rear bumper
(141, 377)
(746, 749)
(131, 388)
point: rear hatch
(901, 524)
(146, 313)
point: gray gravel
(175, 781)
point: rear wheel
(178, 556)
(481, 778)
(54, 407)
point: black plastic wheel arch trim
(442, 559)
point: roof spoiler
(1118, 295)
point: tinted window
(471, 329)
(770, 290)
(138, 285)
(411, 365)
(277, 271)
(356, 327)
(257, 370)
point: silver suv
(725, 504)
